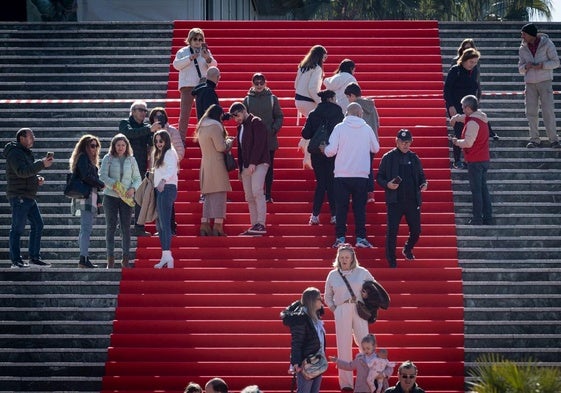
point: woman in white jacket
(308, 80)
(192, 62)
(341, 78)
(165, 182)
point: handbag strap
(348, 285)
(196, 64)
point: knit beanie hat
(530, 29)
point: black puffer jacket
(21, 171)
(305, 340)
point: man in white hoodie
(351, 142)
(537, 60)
(475, 144)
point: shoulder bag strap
(348, 285)
(196, 64)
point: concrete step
(51, 384)
(512, 327)
(56, 327)
(76, 340)
(542, 302)
(57, 313)
(53, 369)
(61, 300)
(529, 285)
(486, 242)
(504, 252)
(60, 354)
(512, 263)
(545, 275)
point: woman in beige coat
(213, 176)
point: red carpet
(217, 312)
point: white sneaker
(314, 220)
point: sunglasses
(199, 39)
(259, 83)
(406, 376)
(94, 145)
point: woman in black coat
(462, 80)
(329, 112)
(308, 335)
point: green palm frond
(494, 374)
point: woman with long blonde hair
(84, 164)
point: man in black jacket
(23, 182)
(401, 176)
(139, 132)
(205, 93)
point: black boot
(85, 263)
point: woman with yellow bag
(119, 171)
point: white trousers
(348, 325)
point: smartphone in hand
(397, 180)
(50, 154)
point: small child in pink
(363, 363)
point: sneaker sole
(406, 257)
(254, 234)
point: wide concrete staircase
(56, 323)
(512, 270)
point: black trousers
(395, 211)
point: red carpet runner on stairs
(217, 312)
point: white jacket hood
(354, 121)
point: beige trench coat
(213, 176)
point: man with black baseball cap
(401, 176)
(537, 60)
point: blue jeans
(164, 204)
(355, 187)
(481, 200)
(86, 227)
(115, 209)
(24, 209)
(308, 386)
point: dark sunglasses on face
(259, 83)
(94, 145)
